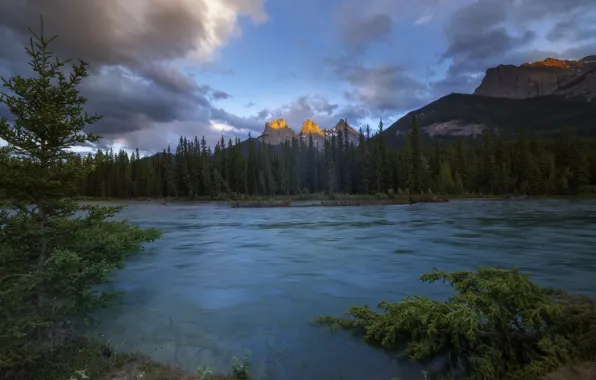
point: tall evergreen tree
(50, 262)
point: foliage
(545, 114)
(498, 325)
(81, 357)
(240, 370)
(52, 251)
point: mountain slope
(459, 115)
(343, 126)
(277, 132)
(309, 127)
(566, 78)
(543, 96)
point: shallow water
(222, 280)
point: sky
(161, 69)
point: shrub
(498, 325)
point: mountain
(573, 79)
(277, 131)
(343, 126)
(310, 128)
(462, 115)
(543, 96)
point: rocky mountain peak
(342, 125)
(309, 127)
(552, 62)
(276, 124)
(551, 76)
(276, 132)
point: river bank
(87, 358)
(401, 198)
(242, 279)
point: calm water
(222, 280)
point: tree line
(492, 165)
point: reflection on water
(222, 280)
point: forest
(490, 165)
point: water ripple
(224, 280)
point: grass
(294, 197)
(582, 371)
(88, 359)
(346, 197)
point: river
(221, 280)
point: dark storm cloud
(221, 95)
(358, 34)
(581, 51)
(483, 27)
(494, 42)
(568, 30)
(254, 123)
(477, 34)
(539, 9)
(486, 33)
(89, 29)
(316, 108)
(169, 78)
(130, 44)
(122, 32)
(129, 105)
(361, 23)
(383, 88)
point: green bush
(498, 325)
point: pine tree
(251, 168)
(362, 162)
(446, 184)
(489, 166)
(169, 186)
(418, 179)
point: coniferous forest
(490, 165)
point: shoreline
(92, 358)
(349, 197)
(89, 358)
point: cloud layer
(134, 46)
(382, 58)
(478, 34)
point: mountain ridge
(544, 96)
(278, 131)
(569, 78)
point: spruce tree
(50, 261)
(417, 163)
(489, 166)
